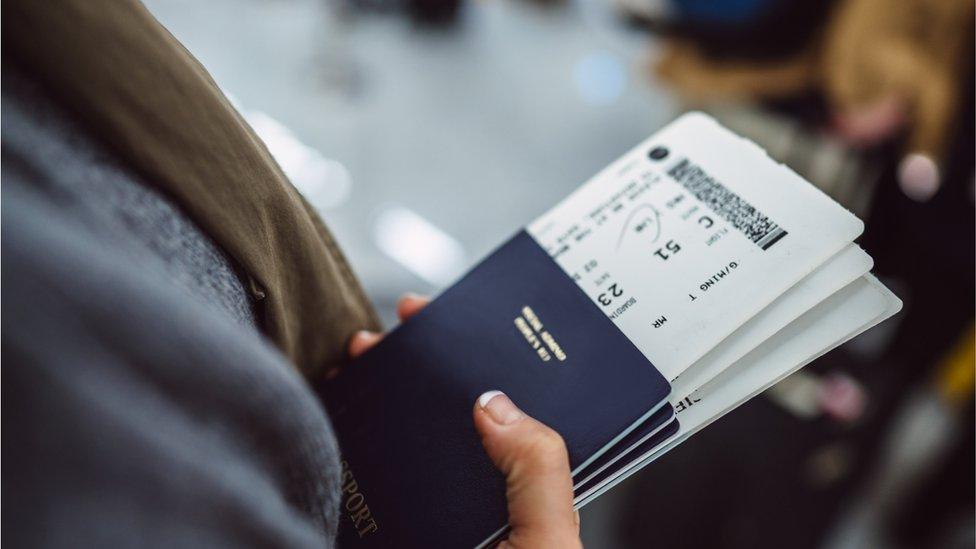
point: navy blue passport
(414, 471)
(627, 459)
(617, 455)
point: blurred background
(427, 131)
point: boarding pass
(689, 235)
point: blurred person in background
(169, 300)
(873, 101)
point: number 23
(613, 291)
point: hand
(532, 457)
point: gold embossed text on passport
(535, 334)
(354, 503)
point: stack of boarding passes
(725, 268)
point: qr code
(757, 226)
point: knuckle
(545, 448)
(552, 443)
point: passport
(403, 411)
(681, 280)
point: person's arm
(532, 457)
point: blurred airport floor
(448, 140)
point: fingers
(407, 306)
(361, 341)
(410, 304)
(534, 461)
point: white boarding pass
(689, 235)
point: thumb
(534, 461)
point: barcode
(757, 226)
